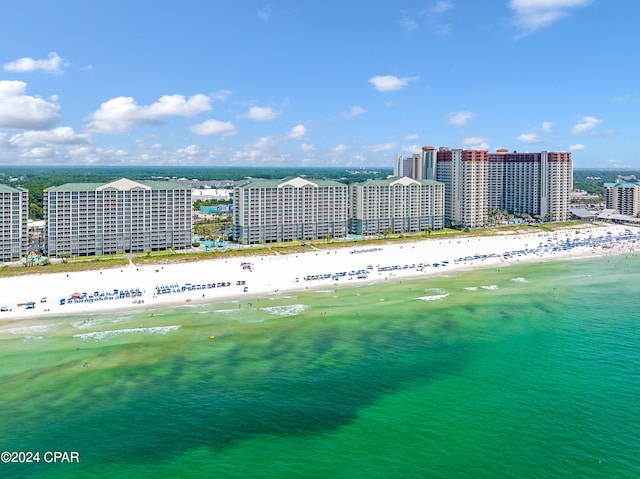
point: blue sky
(315, 82)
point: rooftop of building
(123, 184)
(296, 182)
(398, 180)
(622, 181)
(10, 189)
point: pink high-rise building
(477, 182)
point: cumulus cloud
(586, 123)
(221, 95)
(261, 113)
(120, 114)
(354, 111)
(529, 138)
(380, 147)
(336, 150)
(214, 127)
(410, 149)
(577, 147)
(53, 64)
(62, 136)
(295, 133)
(408, 24)
(264, 13)
(21, 111)
(459, 118)
(386, 83)
(532, 15)
(534, 136)
(441, 6)
(307, 148)
(476, 143)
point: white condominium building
(123, 216)
(14, 232)
(396, 205)
(267, 211)
(624, 195)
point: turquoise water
(529, 371)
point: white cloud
(529, 138)
(586, 123)
(214, 127)
(261, 113)
(547, 127)
(307, 148)
(336, 150)
(408, 24)
(441, 6)
(21, 111)
(459, 118)
(221, 95)
(54, 64)
(354, 111)
(385, 83)
(532, 15)
(410, 149)
(120, 114)
(264, 13)
(295, 133)
(475, 143)
(413, 137)
(63, 135)
(577, 147)
(379, 148)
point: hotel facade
(396, 205)
(14, 231)
(476, 181)
(123, 216)
(268, 211)
(624, 195)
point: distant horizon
(258, 167)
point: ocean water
(528, 371)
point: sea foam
(435, 297)
(99, 335)
(289, 310)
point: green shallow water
(525, 371)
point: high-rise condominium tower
(14, 233)
(83, 219)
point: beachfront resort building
(123, 216)
(623, 196)
(268, 211)
(14, 230)
(396, 205)
(477, 182)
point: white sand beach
(142, 288)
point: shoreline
(150, 287)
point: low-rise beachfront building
(123, 216)
(396, 205)
(623, 196)
(14, 229)
(268, 211)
